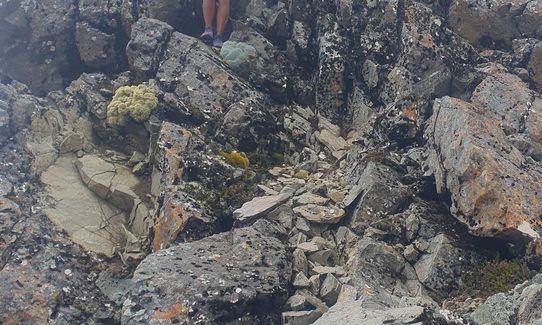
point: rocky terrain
(336, 162)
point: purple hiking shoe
(218, 41)
(207, 36)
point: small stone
(68, 272)
(321, 257)
(137, 157)
(319, 214)
(296, 302)
(302, 225)
(80, 153)
(140, 168)
(301, 317)
(301, 281)
(336, 196)
(267, 190)
(300, 263)
(259, 206)
(337, 270)
(309, 198)
(308, 247)
(347, 293)
(314, 284)
(411, 253)
(330, 289)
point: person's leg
(221, 20)
(209, 10)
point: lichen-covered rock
(221, 278)
(494, 190)
(148, 40)
(136, 102)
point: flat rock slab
(260, 206)
(320, 214)
(89, 221)
(111, 182)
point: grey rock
(296, 302)
(383, 194)
(189, 274)
(148, 40)
(299, 261)
(110, 181)
(300, 317)
(361, 312)
(330, 289)
(500, 159)
(374, 263)
(319, 214)
(89, 221)
(96, 48)
(259, 206)
(112, 286)
(301, 281)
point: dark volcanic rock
(238, 276)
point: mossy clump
(136, 102)
(236, 159)
(238, 55)
(495, 276)
(302, 174)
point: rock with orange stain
(494, 189)
(239, 275)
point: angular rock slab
(90, 222)
(112, 182)
(260, 206)
(242, 274)
(494, 190)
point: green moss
(495, 276)
(236, 158)
(302, 174)
(136, 102)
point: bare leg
(209, 9)
(222, 16)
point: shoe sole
(207, 39)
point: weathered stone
(111, 182)
(324, 257)
(310, 198)
(89, 221)
(473, 149)
(374, 263)
(361, 312)
(300, 317)
(308, 247)
(330, 289)
(301, 281)
(300, 263)
(296, 302)
(535, 65)
(319, 214)
(96, 48)
(383, 195)
(259, 206)
(148, 39)
(211, 276)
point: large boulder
(494, 189)
(240, 275)
(507, 99)
(49, 43)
